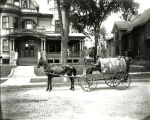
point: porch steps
(27, 61)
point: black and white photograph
(74, 60)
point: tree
(64, 8)
(93, 12)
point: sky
(108, 24)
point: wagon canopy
(112, 65)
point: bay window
(5, 22)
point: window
(5, 61)
(5, 45)
(57, 26)
(15, 22)
(24, 4)
(28, 24)
(5, 21)
(53, 46)
(76, 47)
(116, 35)
(117, 50)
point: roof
(26, 32)
(122, 25)
(109, 39)
(72, 36)
(34, 3)
(49, 36)
(141, 19)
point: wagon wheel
(87, 82)
(123, 80)
(111, 82)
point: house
(134, 37)
(110, 47)
(30, 29)
(119, 29)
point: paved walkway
(20, 76)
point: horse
(57, 71)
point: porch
(73, 58)
(32, 44)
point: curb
(61, 84)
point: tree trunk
(96, 32)
(95, 50)
(64, 29)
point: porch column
(13, 57)
(43, 44)
(12, 44)
(43, 48)
(81, 48)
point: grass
(5, 70)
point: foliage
(93, 12)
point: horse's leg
(72, 83)
(49, 83)
(48, 80)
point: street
(103, 103)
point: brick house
(30, 29)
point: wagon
(112, 70)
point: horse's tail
(74, 71)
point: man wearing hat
(128, 61)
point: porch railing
(58, 54)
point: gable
(121, 25)
(33, 3)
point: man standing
(128, 61)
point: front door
(29, 48)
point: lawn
(5, 70)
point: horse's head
(40, 63)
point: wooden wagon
(112, 70)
